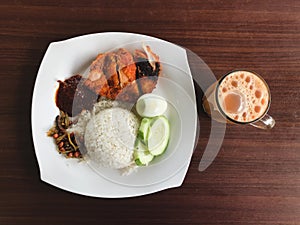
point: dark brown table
(255, 178)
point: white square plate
(66, 58)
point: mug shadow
(211, 134)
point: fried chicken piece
(96, 80)
(123, 76)
(127, 75)
(148, 69)
(126, 67)
(110, 70)
(147, 84)
(111, 74)
(152, 58)
(130, 93)
(146, 55)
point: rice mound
(109, 137)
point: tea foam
(243, 96)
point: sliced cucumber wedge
(159, 135)
(141, 154)
(144, 130)
(152, 140)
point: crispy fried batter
(110, 70)
(127, 76)
(152, 57)
(130, 93)
(147, 84)
(123, 76)
(126, 67)
(96, 80)
(148, 70)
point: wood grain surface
(255, 178)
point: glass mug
(240, 97)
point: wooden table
(255, 178)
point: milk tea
(243, 96)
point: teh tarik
(243, 96)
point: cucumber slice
(141, 154)
(144, 130)
(159, 135)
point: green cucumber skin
(158, 154)
(141, 154)
(138, 163)
(165, 145)
(143, 131)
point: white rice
(109, 135)
(85, 116)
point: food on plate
(148, 69)
(97, 119)
(159, 134)
(122, 75)
(72, 96)
(144, 129)
(65, 141)
(118, 75)
(110, 72)
(153, 139)
(109, 137)
(141, 154)
(151, 105)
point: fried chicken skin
(148, 69)
(122, 75)
(96, 80)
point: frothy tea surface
(243, 96)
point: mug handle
(266, 122)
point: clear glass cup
(240, 97)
